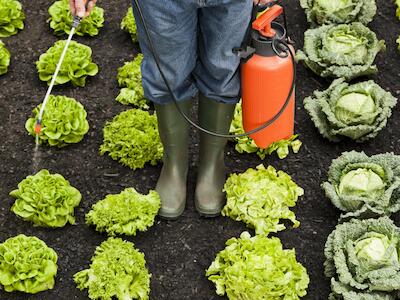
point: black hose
(229, 136)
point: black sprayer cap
(263, 45)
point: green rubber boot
(217, 117)
(174, 134)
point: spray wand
(75, 23)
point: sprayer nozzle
(38, 128)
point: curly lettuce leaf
(61, 20)
(246, 144)
(11, 17)
(63, 123)
(346, 50)
(362, 260)
(27, 265)
(258, 268)
(357, 111)
(125, 213)
(46, 200)
(132, 138)
(326, 12)
(364, 186)
(117, 270)
(128, 23)
(76, 67)
(261, 198)
(4, 58)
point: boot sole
(172, 216)
(211, 214)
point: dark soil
(177, 252)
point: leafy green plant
(4, 58)
(125, 213)
(27, 265)
(128, 23)
(46, 200)
(132, 138)
(246, 144)
(117, 270)
(77, 64)
(130, 77)
(357, 111)
(346, 50)
(364, 186)
(320, 12)
(258, 268)
(362, 260)
(61, 20)
(261, 198)
(11, 17)
(64, 122)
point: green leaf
(11, 17)
(4, 58)
(128, 23)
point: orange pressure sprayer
(267, 76)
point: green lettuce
(4, 58)
(130, 77)
(320, 12)
(61, 20)
(27, 265)
(11, 17)
(246, 144)
(362, 260)
(364, 186)
(64, 122)
(357, 111)
(46, 200)
(125, 213)
(128, 23)
(258, 268)
(261, 198)
(346, 50)
(132, 138)
(77, 64)
(118, 271)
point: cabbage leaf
(4, 58)
(11, 17)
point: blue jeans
(194, 39)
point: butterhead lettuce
(11, 17)
(128, 23)
(4, 58)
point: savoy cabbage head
(46, 200)
(128, 23)
(125, 213)
(362, 260)
(118, 271)
(346, 50)
(258, 268)
(261, 197)
(364, 186)
(320, 12)
(76, 67)
(4, 58)
(64, 122)
(61, 20)
(358, 111)
(11, 17)
(27, 265)
(132, 138)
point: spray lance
(268, 73)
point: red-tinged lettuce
(124, 213)
(27, 265)
(258, 268)
(46, 200)
(261, 198)
(76, 67)
(4, 58)
(64, 122)
(346, 50)
(358, 111)
(11, 17)
(118, 271)
(362, 260)
(61, 20)
(128, 23)
(132, 138)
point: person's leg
(173, 26)
(223, 24)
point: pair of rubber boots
(174, 134)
